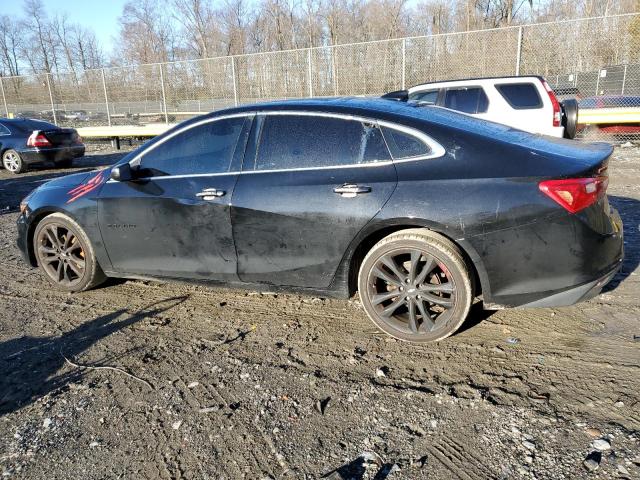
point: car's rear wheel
(66, 163)
(416, 286)
(12, 161)
(65, 254)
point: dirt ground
(150, 380)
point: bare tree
(10, 45)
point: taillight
(575, 194)
(37, 139)
(557, 120)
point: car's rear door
(173, 220)
(309, 183)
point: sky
(100, 15)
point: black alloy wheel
(416, 286)
(65, 255)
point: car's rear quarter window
(520, 95)
(404, 145)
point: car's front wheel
(65, 254)
(416, 286)
(12, 161)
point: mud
(220, 383)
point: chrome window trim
(437, 150)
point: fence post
(164, 98)
(519, 52)
(598, 80)
(235, 83)
(309, 73)
(53, 109)
(4, 99)
(106, 97)
(334, 69)
(404, 62)
(624, 79)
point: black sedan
(420, 209)
(25, 141)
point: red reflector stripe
(575, 194)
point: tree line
(151, 31)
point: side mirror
(122, 173)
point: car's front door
(173, 219)
(309, 184)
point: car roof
(378, 108)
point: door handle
(210, 194)
(349, 190)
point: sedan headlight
(25, 202)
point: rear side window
(404, 145)
(207, 148)
(39, 125)
(466, 99)
(520, 95)
(307, 141)
(430, 96)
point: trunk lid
(62, 137)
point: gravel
(264, 386)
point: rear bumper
(53, 154)
(576, 294)
(563, 261)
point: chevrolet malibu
(419, 209)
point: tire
(12, 161)
(439, 286)
(570, 117)
(61, 260)
(64, 163)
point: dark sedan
(421, 210)
(25, 142)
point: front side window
(312, 141)
(466, 99)
(206, 148)
(404, 145)
(520, 95)
(429, 96)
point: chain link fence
(596, 60)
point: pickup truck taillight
(575, 194)
(37, 139)
(557, 120)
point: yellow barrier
(592, 116)
(149, 130)
(608, 116)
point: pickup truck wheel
(416, 286)
(570, 117)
